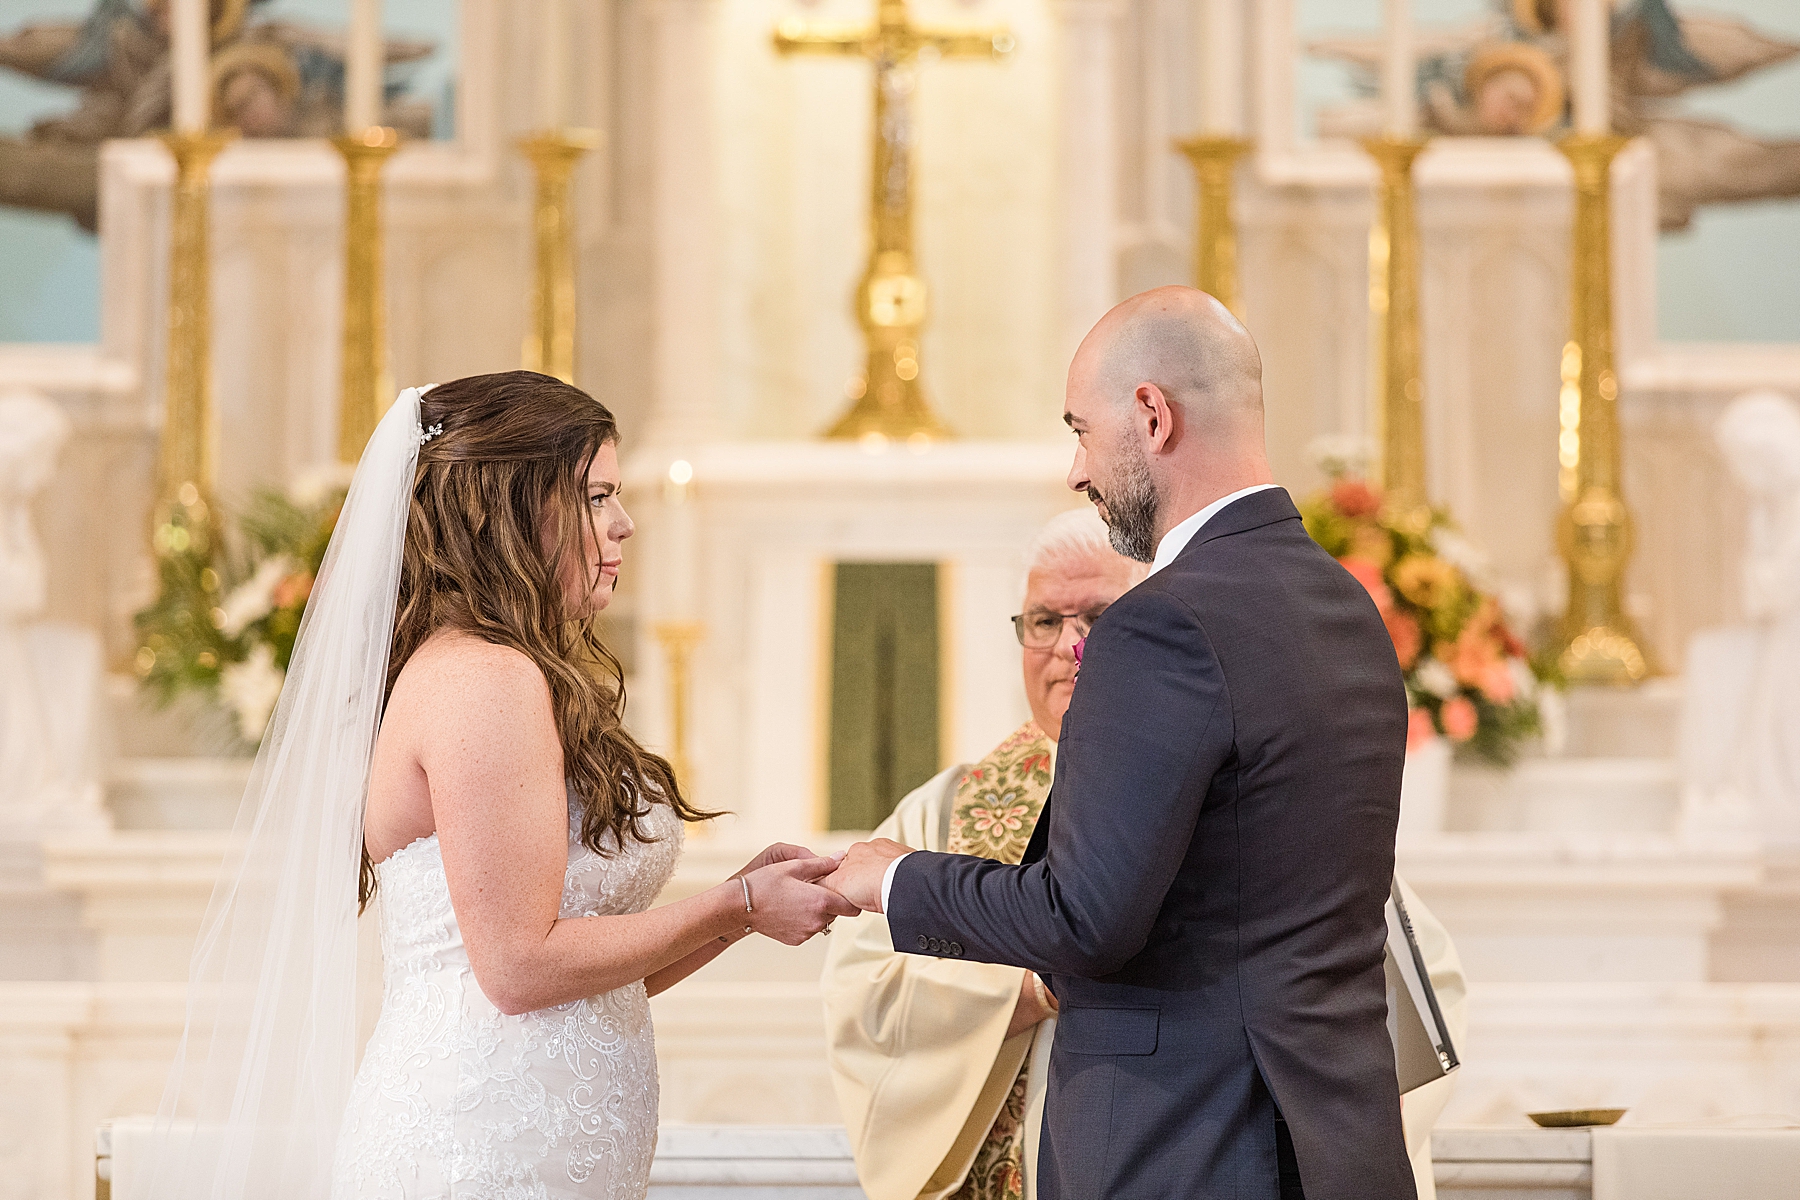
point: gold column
(1215, 239)
(1599, 642)
(1399, 389)
(678, 639)
(185, 466)
(366, 387)
(550, 340)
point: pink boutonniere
(1079, 647)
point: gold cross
(890, 300)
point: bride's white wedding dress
(456, 1099)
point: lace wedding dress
(456, 1099)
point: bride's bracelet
(748, 908)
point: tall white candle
(1589, 53)
(1399, 72)
(1222, 51)
(363, 64)
(553, 67)
(190, 40)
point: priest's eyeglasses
(1041, 629)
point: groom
(1205, 888)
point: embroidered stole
(994, 811)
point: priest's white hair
(1075, 537)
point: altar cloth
(1652, 1163)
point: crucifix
(890, 300)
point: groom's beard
(1130, 506)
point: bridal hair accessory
(425, 435)
(262, 1078)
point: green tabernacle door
(884, 688)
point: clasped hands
(795, 893)
(822, 888)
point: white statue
(1741, 731)
(49, 673)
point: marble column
(1088, 171)
(685, 237)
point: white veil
(260, 1084)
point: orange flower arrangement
(1468, 676)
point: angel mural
(1505, 75)
(270, 78)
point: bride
(449, 744)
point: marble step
(1640, 722)
(176, 793)
(1566, 795)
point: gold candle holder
(366, 387)
(678, 639)
(185, 462)
(1398, 387)
(550, 340)
(1599, 642)
(1215, 239)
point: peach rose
(1354, 498)
(1460, 718)
(1497, 683)
(1408, 638)
(293, 590)
(1419, 729)
(1369, 575)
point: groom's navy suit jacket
(1206, 896)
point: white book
(1422, 1048)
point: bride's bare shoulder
(459, 673)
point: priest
(940, 1064)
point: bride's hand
(788, 905)
(775, 853)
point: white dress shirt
(1176, 540)
(1172, 544)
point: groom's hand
(858, 880)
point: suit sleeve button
(924, 942)
(956, 949)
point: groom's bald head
(1183, 341)
(1165, 394)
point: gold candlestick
(1600, 644)
(185, 463)
(366, 387)
(1215, 239)
(1398, 387)
(678, 639)
(550, 340)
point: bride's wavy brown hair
(513, 456)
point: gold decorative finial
(367, 388)
(1398, 383)
(550, 340)
(1215, 236)
(1599, 642)
(891, 299)
(185, 462)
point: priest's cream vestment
(938, 1103)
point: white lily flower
(1434, 677)
(254, 599)
(251, 688)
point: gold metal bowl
(1577, 1118)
